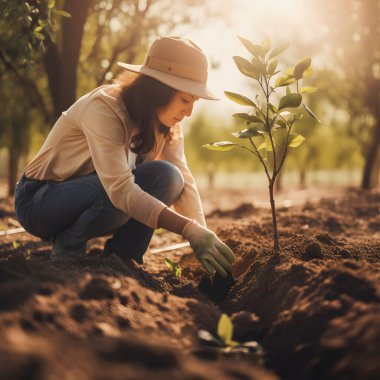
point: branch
(260, 158)
(27, 84)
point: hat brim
(181, 84)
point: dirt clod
(312, 251)
(97, 289)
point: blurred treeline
(48, 60)
(52, 52)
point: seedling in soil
(174, 268)
(225, 330)
(16, 244)
(269, 129)
(226, 345)
(27, 254)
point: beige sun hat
(177, 62)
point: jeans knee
(171, 181)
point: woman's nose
(189, 110)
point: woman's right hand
(209, 250)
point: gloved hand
(209, 250)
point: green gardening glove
(209, 250)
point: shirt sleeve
(106, 136)
(189, 202)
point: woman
(114, 162)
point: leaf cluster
(173, 268)
(268, 125)
(25, 27)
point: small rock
(312, 251)
(97, 288)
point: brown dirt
(315, 308)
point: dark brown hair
(142, 97)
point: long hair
(142, 97)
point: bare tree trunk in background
(371, 13)
(13, 160)
(62, 68)
(302, 178)
(372, 163)
(371, 168)
(278, 184)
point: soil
(314, 308)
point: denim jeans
(73, 211)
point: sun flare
(252, 19)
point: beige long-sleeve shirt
(94, 135)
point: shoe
(107, 251)
(60, 253)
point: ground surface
(315, 308)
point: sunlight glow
(281, 20)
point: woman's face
(178, 108)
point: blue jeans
(73, 211)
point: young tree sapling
(269, 126)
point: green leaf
(60, 12)
(311, 113)
(38, 35)
(247, 133)
(308, 89)
(278, 50)
(247, 117)
(178, 271)
(225, 329)
(259, 66)
(308, 73)
(273, 108)
(301, 67)
(16, 244)
(255, 50)
(169, 264)
(246, 68)
(280, 137)
(272, 67)
(288, 91)
(263, 145)
(51, 4)
(290, 101)
(295, 140)
(239, 99)
(266, 44)
(220, 146)
(289, 72)
(281, 123)
(284, 80)
(268, 143)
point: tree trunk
(302, 183)
(371, 167)
(276, 246)
(62, 68)
(278, 183)
(13, 160)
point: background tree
(25, 27)
(85, 51)
(350, 39)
